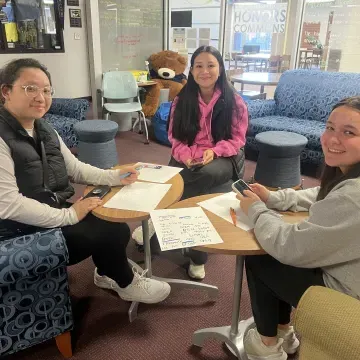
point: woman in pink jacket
(207, 128)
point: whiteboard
(130, 31)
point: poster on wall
(310, 35)
(260, 18)
(75, 18)
(204, 33)
(178, 38)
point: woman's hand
(247, 200)
(131, 178)
(261, 191)
(83, 206)
(208, 156)
(188, 163)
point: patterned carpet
(161, 331)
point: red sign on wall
(310, 32)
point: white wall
(70, 70)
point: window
(330, 36)
(31, 26)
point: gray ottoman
(278, 164)
(97, 142)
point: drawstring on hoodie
(212, 103)
(206, 127)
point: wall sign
(75, 18)
(260, 19)
(73, 2)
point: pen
(233, 215)
(123, 176)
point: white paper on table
(182, 228)
(139, 196)
(162, 175)
(220, 205)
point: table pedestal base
(234, 342)
(233, 335)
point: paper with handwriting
(220, 206)
(182, 228)
(157, 173)
(139, 196)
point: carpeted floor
(163, 331)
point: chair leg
(145, 125)
(140, 127)
(135, 123)
(63, 343)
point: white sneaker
(141, 289)
(103, 282)
(257, 350)
(291, 342)
(196, 271)
(137, 234)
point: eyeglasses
(33, 91)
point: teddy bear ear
(153, 57)
(182, 60)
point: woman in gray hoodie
(322, 250)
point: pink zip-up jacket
(181, 152)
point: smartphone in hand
(98, 191)
(239, 187)
(196, 164)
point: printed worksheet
(182, 228)
(156, 173)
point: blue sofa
(34, 291)
(63, 114)
(302, 103)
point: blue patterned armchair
(302, 104)
(34, 294)
(63, 114)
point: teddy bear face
(167, 64)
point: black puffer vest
(26, 154)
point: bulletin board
(130, 31)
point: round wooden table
(236, 242)
(257, 78)
(116, 215)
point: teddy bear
(167, 69)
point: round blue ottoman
(97, 142)
(278, 164)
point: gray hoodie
(329, 238)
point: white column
(94, 45)
(293, 30)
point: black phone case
(105, 189)
(241, 186)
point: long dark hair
(11, 72)
(186, 114)
(331, 176)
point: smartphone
(197, 163)
(98, 191)
(239, 187)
